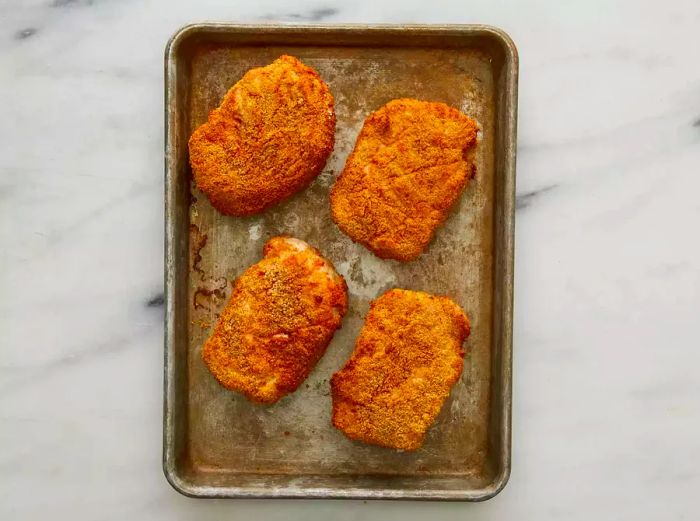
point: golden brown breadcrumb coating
(409, 166)
(281, 316)
(269, 138)
(406, 359)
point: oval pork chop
(281, 316)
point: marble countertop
(607, 342)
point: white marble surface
(607, 393)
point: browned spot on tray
(198, 241)
(213, 292)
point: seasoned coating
(279, 321)
(406, 359)
(270, 138)
(409, 166)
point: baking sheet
(216, 443)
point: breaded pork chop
(406, 359)
(279, 321)
(409, 166)
(269, 138)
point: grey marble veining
(607, 398)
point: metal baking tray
(216, 443)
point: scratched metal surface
(227, 441)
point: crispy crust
(281, 316)
(269, 138)
(406, 360)
(409, 166)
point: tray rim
(510, 71)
